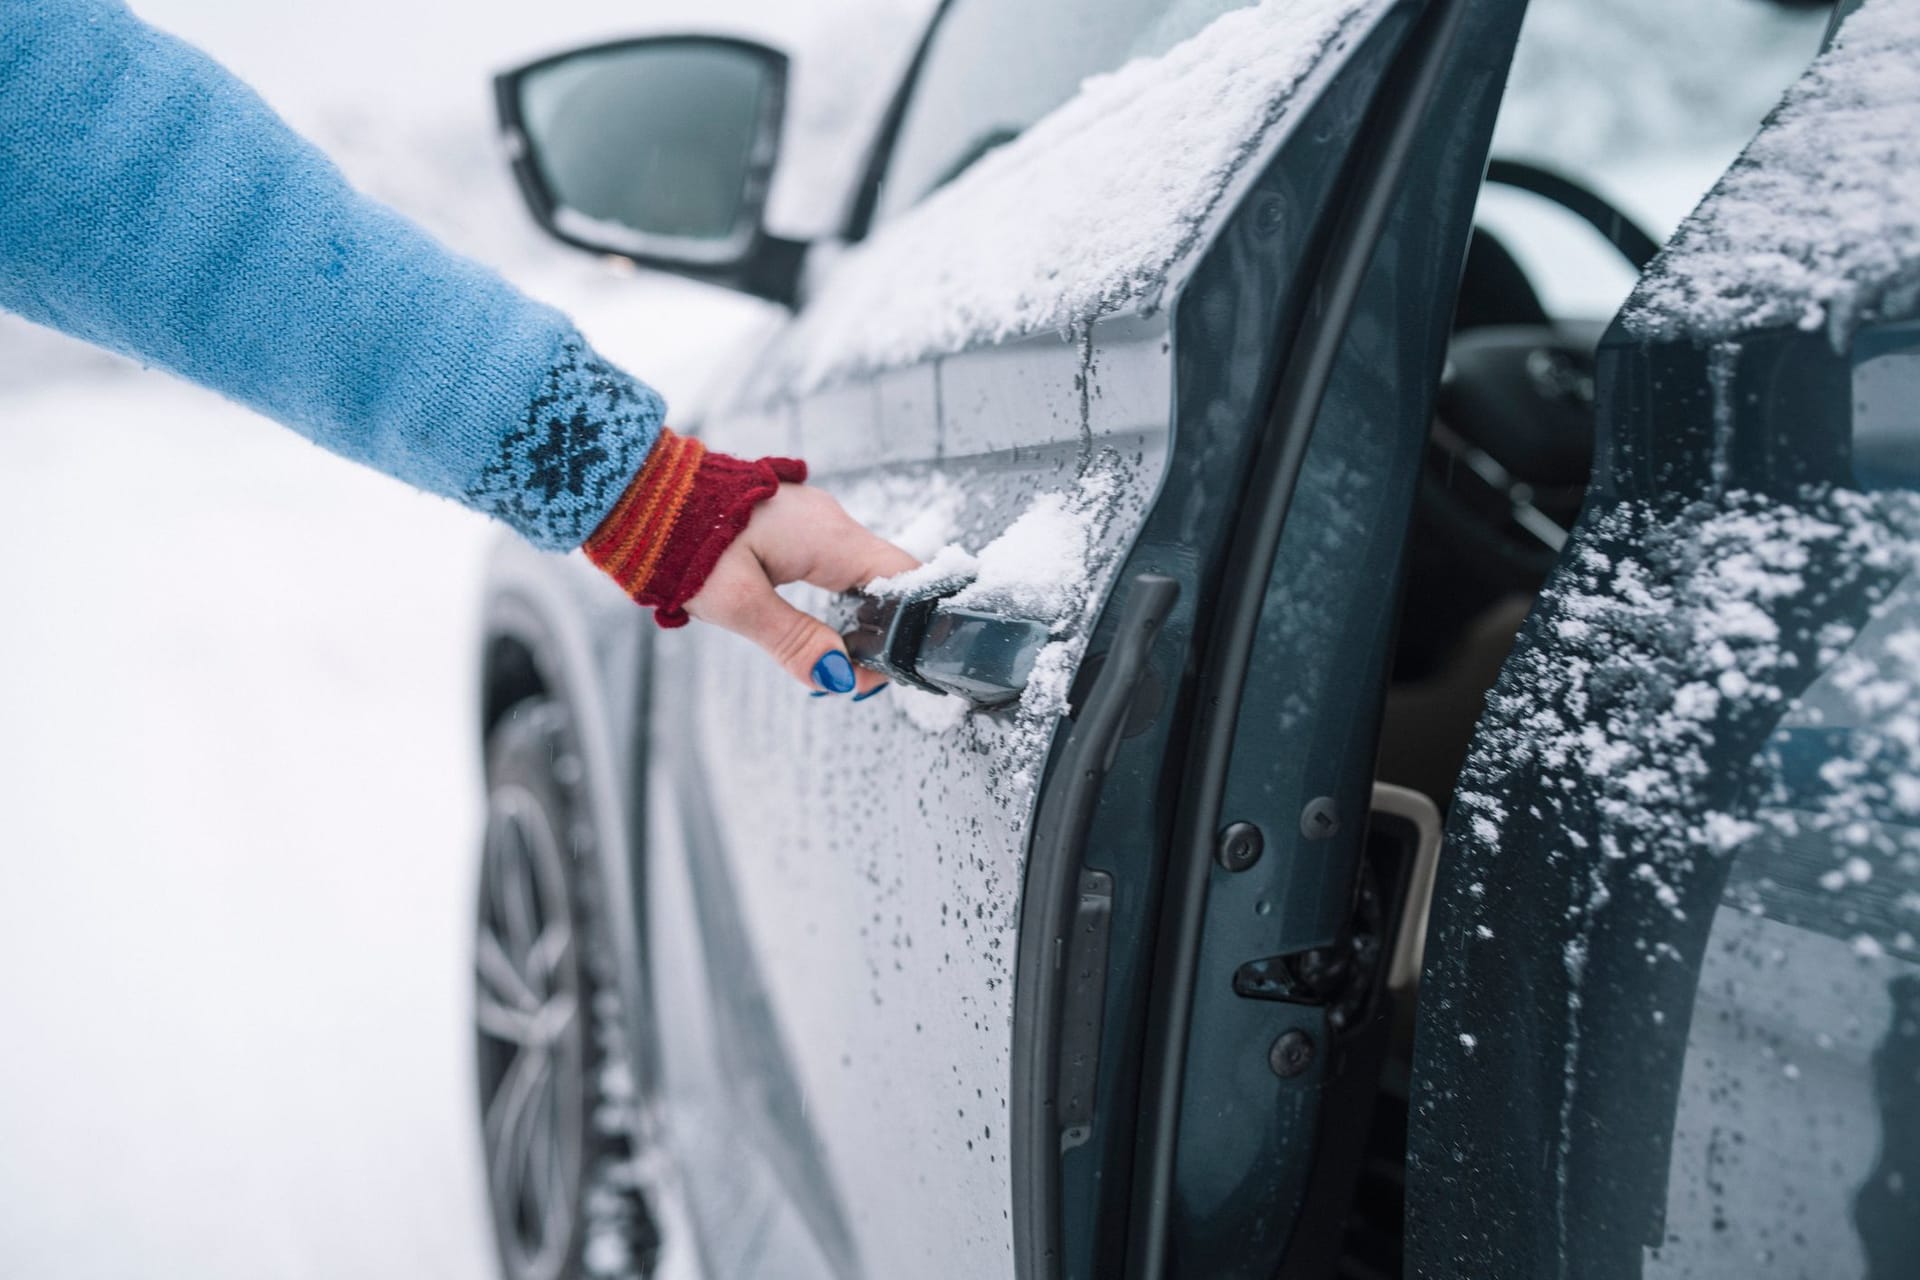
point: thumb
(739, 596)
(857, 557)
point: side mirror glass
(659, 150)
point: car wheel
(556, 1093)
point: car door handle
(921, 640)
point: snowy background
(237, 751)
(237, 739)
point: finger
(853, 559)
(857, 559)
(850, 556)
(804, 647)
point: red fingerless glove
(682, 510)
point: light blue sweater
(151, 203)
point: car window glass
(996, 66)
(1645, 102)
(656, 139)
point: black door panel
(1667, 1028)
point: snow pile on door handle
(1818, 222)
(1036, 569)
(1045, 565)
(1084, 214)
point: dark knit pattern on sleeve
(584, 436)
(152, 204)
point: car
(1222, 888)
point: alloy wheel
(532, 1038)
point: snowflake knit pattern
(152, 204)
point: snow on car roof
(1083, 215)
(1818, 222)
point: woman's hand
(800, 534)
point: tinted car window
(996, 66)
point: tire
(556, 1098)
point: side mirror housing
(660, 150)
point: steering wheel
(1613, 224)
(1511, 446)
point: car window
(1645, 102)
(996, 66)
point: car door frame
(1197, 666)
(1149, 671)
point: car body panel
(879, 881)
(1245, 1164)
(1264, 1165)
(1235, 316)
(876, 887)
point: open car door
(1671, 1016)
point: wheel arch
(509, 675)
(553, 627)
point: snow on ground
(237, 750)
(240, 777)
(240, 791)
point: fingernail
(816, 694)
(833, 672)
(862, 697)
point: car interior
(1505, 473)
(1504, 476)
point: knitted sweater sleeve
(152, 204)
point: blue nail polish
(862, 697)
(816, 694)
(833, 672)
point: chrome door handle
(921, 640)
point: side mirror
(659, 150)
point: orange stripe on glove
(683, 509)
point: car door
(1669, 1025)
(1096, 335)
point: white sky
(413, 57)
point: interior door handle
(921, 640)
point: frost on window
(1701, 767)
(1674, 640)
